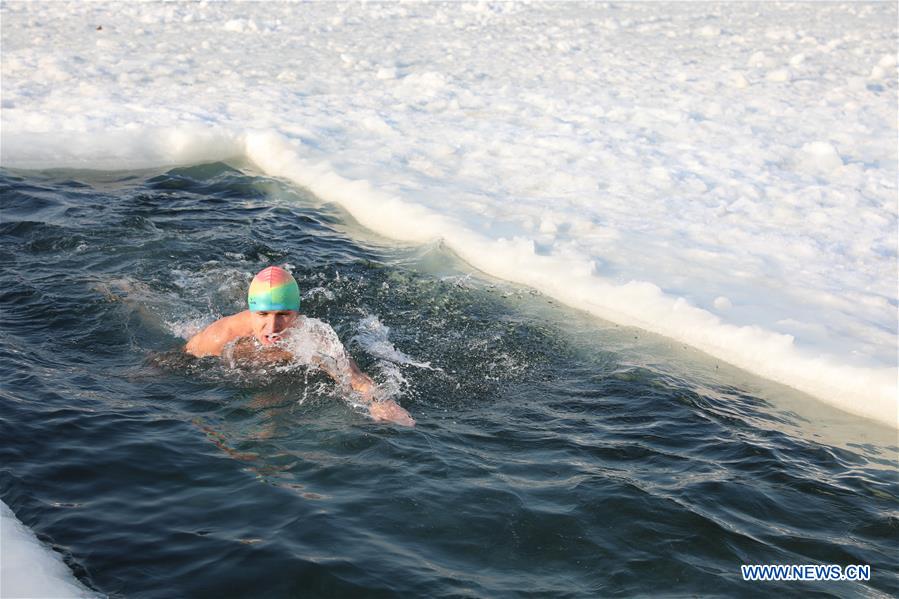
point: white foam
(28, 568)
(723, 176)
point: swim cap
(273, 289)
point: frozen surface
(30, 569)
(722, 174)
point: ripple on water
(554, 455)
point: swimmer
(255, 334)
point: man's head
(274, 301)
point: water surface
(555, 454)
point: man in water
(272, 330)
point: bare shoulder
(238, 324)
(211, 340)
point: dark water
(554, 455)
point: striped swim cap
(273, 289)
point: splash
(313, 342)
(373, 337)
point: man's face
(269, 326)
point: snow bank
(30, 569)
(120, 149)
(718, 174)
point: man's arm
(380, 410)
(359, 381)
(213, 339)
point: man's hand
(381, 411)
(390, 411)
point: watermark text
(805, 572)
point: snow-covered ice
(722, 174)
(30, 569)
